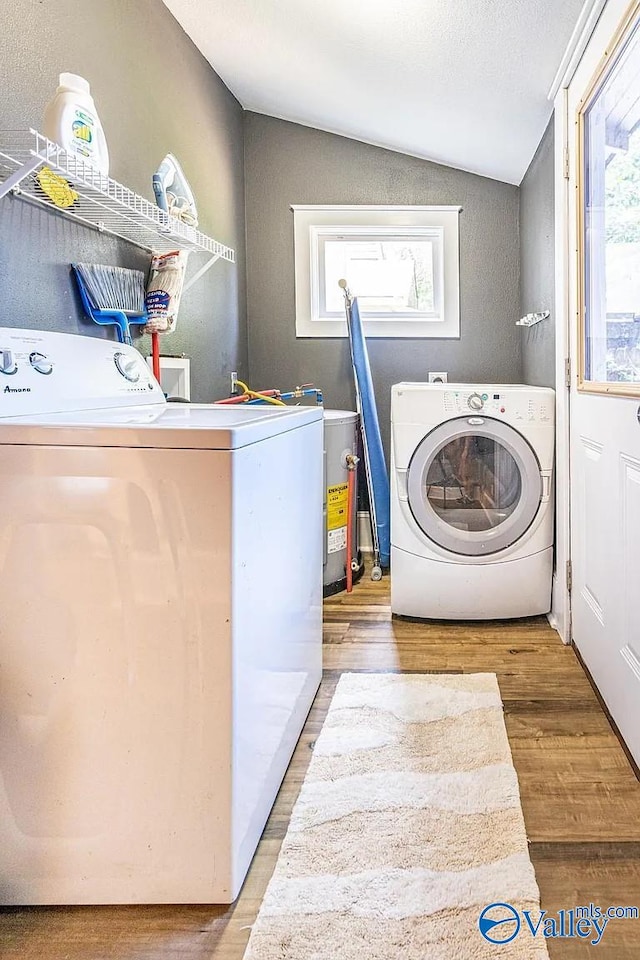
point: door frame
(566, 350)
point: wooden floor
(580, 797)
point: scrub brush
(112, 295)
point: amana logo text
(9, 389)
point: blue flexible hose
(372, 439)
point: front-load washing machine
(471, 500)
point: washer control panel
(7, 363)
(43, 372)
(127, 366)
(41, 362)
(500, 403)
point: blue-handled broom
(112, 295)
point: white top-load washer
(160, 635)
(471, 500)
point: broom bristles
(113, 288)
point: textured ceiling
(462, 82)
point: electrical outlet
(234, 381)
(437, 377)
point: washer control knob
(40, 363)
(7, 363)
(475, 401)
(127, 366)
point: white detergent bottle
(71, 120)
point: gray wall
(537, 266)
(286, 163)
(155, 93)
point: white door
(604, 311)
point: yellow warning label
(337, 506)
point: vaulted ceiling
(462, 82)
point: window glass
(473, 483)
(612, 223)
(390, 276)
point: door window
(473, 483)
(609, 232)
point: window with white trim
(402, 263)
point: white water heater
(340, 440)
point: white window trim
(314, 221)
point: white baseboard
(560, 616)
(553, 622)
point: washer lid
(474, 485)
(180, 426)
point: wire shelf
(96, 201)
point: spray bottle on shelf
(71, 120)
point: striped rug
(407, 825)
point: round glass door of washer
(474, 485)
